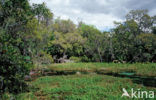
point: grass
(86, 86)
(141, 69)
(80, 87)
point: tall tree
(13, 65)
(42, 13)
(142, 18)
(64, 26)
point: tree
(96, 44)
(42, 13)
(13, 62)
(64, 26)
(129, 41)
(128, 26)
(22, 38)
(145, 48)
(88, 30)
(154, 25)
(38, 37)
(154, 30)
(142, 18)
(70, 43)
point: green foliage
(142, 18)
(13, 67)
(42, 59)
(69, 43)
(64, 26)
(22, 38)
(131, 43)
(75, 59)
(88, 30)
(154, 30)
(85, 59)
(147, 46)
(43, 14)
(121, 43)
(97, 43)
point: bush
(85, 59)
(13, 68)
(147, 46)
(75, 59)
(42, 58)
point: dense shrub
(75, 59)
(13, 68)
(85, 59)
(42, 58)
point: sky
(100, 13)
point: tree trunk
(111, 50)
(99, 55)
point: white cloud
(101, 13)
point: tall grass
(143, 69)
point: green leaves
(27, 58)
(43, 14)
(13, 65)
(64, 26)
